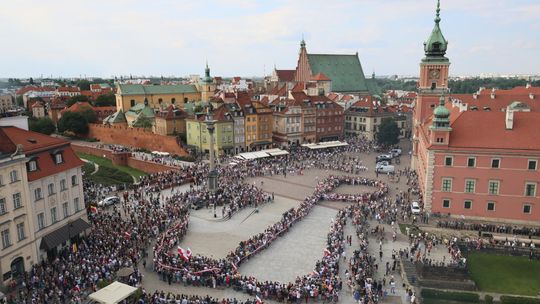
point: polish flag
(315, 273)
(188, 253)
(182, 254)
(326, 252)
(258, 300)
(127, 235)
(93, 209)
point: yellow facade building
(158, 96)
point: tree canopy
(43, 125)
(73, 122)
(105, 100)
(388, 133)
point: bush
(102, 283)
(466, 297)
(488, 299)
(519, 300)
(43, 125)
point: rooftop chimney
(528, 86)
(492, 95)
(475, 96)
(531, 96)
(509, 119)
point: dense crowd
(485, 227)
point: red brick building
(476, 155)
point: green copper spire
(441, 115)
(436, 45)
(207, 77)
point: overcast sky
(246, 38)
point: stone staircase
(410, 274)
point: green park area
(108, 173)
(505, 274)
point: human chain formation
(506, 229)
(120, 238)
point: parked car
(384, 169)
(395, 152)
(384, 157)
(111, 200)
(383, 163)
(415, 208)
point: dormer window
(32, 166)
(58, 159)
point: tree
(77, 98)
(73, 122)
(89, 115)
(31, 80)
(83, 84)
(105, 100)
(20, 101)
(388, 134)
(43, 125)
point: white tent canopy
(326, 144)
(112, 293)
(261, 154)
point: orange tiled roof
(487, 130)
(285, 75)
(320, 77)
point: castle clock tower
(433, 81)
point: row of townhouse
(41, 200)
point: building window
(493, 187)
(160, 100)
(1, 181)
(446, 184)
(50, 188)
(65, 209)
(32, 166)
(530, 189)
(531, 165)
(495, 163)
(20, 232)
(467, 204)
(74, 180)
(58, 158)
(53, 215)
(173, 100)
(446, 203)
(471, 162)
(14, 176)
(491, 206)
(63, 185)
(470, 185)
(17, 202)
(3, 209)
(132, 102)
(41, 221)
(76, 204)
(527, 208)
(37, 194)
(6, 242)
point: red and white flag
(127, 235)
(188, 253)
(258, 300)
(327, 252)
(93, 209)
(182, 254)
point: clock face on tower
(434, 74)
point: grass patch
(446, 297)
(107, 163)
(110, 176)
(88, 168)
(505, 274)
(519, 300)
(412, 229)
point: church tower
(303, 70)
(207, 86)
(433, 83)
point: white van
(415, 208)
(385, 169)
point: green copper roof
(374, 89)
(117, 117)
(436, 45)
(441, 115)
(139, 89)
(344, 70)
(207, 78)
(141, 109)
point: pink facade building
(477, 157)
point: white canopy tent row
(113, 293)
(261, 154)
(326, 144)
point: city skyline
(247, 38)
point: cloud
(240, 37)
